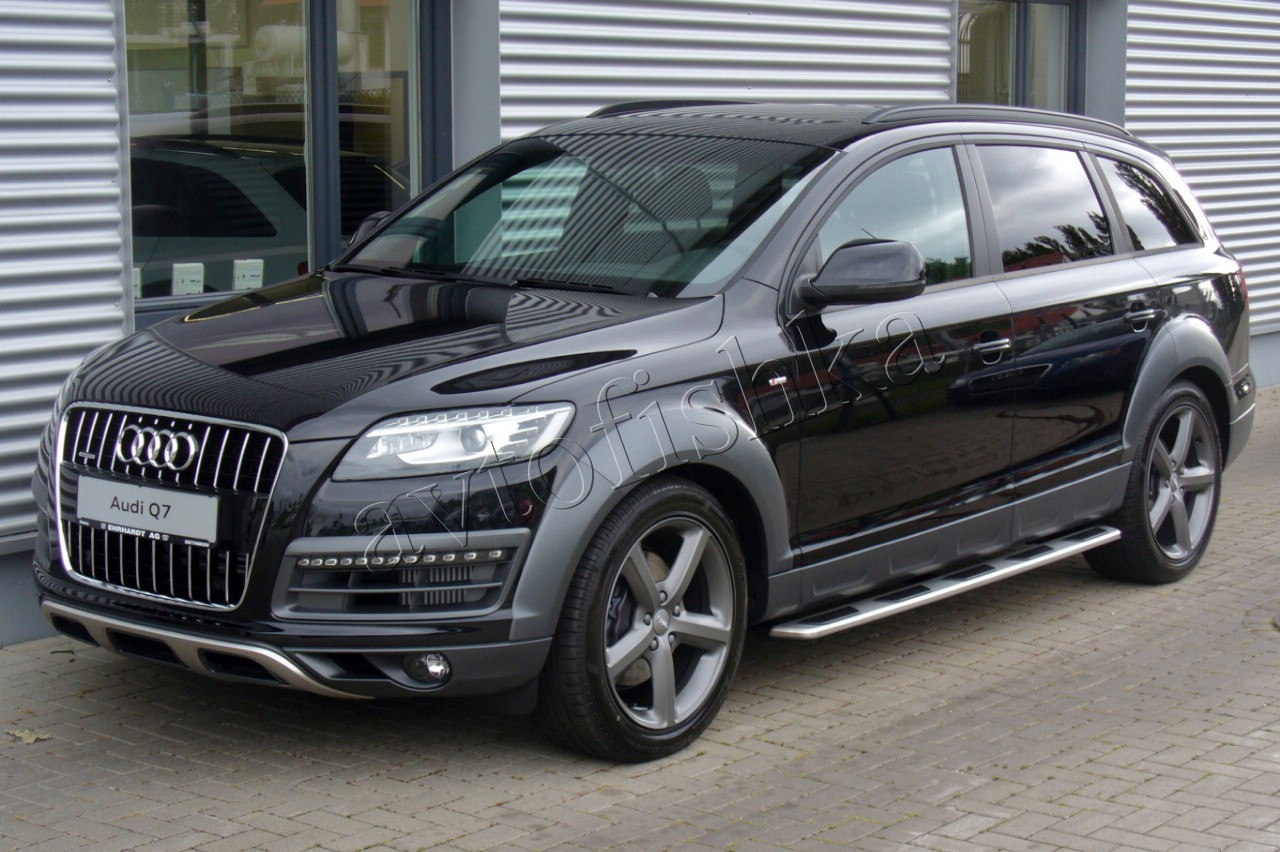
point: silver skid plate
(883, 604)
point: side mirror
(867, 271)
(372, 221)
(158, 220)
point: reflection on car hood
(286, 354)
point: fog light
(428, 668)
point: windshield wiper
(470, 278)
(424, 272)
(389, 271)
(560, 284)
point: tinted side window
(1046, 209)
(1154, 219)
(226, 211)
(178, 200)
(916, 199)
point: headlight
(452, 441)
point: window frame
(807, 257)
(1188, 219)
(1121, 246)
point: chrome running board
(883, 604)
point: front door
(895, 441)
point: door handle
(988, 347)
(1135, 316)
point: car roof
(242, 147)
(821, 125)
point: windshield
(660, 215)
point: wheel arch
(1185, 348)
(742, 477)
(1214, 391)
(742, 509)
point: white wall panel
(61, 218)
(1203, 82)
(564, 58)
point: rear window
(1045, 207)
(178, 200)
(1154, 219)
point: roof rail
(986, 112)
(642, 106)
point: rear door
(1084, 313)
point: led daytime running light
(403, 560)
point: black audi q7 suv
(563, 427)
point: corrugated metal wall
(565, 58)
(61, 214)
(1203, 82)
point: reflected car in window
(205, 202)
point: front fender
(627, 438)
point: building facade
(158, 154)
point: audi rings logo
(162, 449)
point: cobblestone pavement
(1054, 710)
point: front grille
(213, 576)
(237, 464)
(229, 458)
(383, 590)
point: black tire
(673, 662)
(1171, 500)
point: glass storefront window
(218, 130)
(1016, 52)
(1048, 56)
(987, 58)
(216, 93)
(374, 59)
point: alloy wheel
(669, 623)
(1182, 481)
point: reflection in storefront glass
(373, 103)
(217, 125)
(987, 34)
(1048, 56)
(1014, 52)
(216, 93)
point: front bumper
(370, 670)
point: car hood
(361, 347)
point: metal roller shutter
(61, 215)
(565, 58)
(1203, 82)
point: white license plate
(157, 513)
